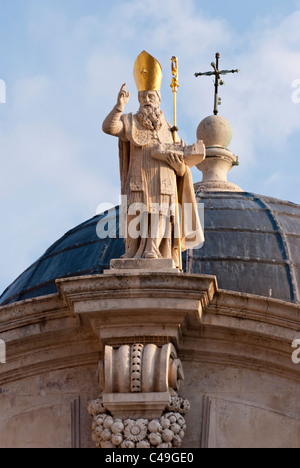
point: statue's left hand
(177, 163)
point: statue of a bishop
(162, 219)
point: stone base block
(128, 265)
(136, 405)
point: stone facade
(235, 350)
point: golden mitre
(147, 73)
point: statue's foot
(150, 255)
(137, 256)
(128, 255)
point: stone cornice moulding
(267, 326)
(30, 311)
(267, 317)
(125, 308)
(42, 335)
(246, 331)
(19, 370)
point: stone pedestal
(130, 266)
(139, 317)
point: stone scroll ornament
(167, 428)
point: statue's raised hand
(123, 97)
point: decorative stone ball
(165, 422)
(99, 430)
(180, 420)
(154, 426)
(99, 421)
(117, 439)
(175, 428)
(177, 441)
(167, 435)
(117, 427)
(128, 444)
(155, 439)
(143, 444)
(172, 418)
(106, 435)
(107, 445)
(215, 131)
(108, 422)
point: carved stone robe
(143, 178)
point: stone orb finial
(215, 131)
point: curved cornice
(232, 329)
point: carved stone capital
(138, 379)
(139, 406)
(142, 368)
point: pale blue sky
(63, 63)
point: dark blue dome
(252, 246)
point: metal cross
(218, 82)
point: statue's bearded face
(149, 114)
(149, 99)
